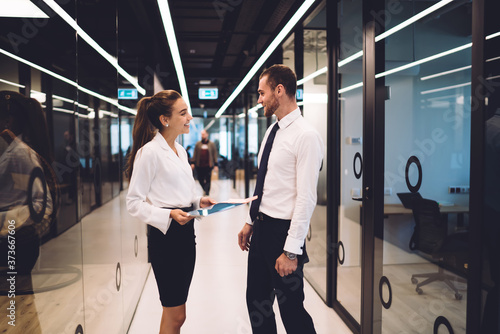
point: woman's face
(179, 121)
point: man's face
(204, 135)
(267, 97)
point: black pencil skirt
(172, 257)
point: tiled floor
(216, 303)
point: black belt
(185, 209)
(261, 216)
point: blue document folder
(222, 206)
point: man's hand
(284, 266)
(192, 166)
(207, 201)
(244, 237)
(180, 216)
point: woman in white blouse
(161, 191)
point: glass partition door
(422, 285)
(351, 127)
(490, 283)
(315, 112)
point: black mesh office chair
(431, 237)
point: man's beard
(271, 107)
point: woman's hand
(180, 216)
(207, 201)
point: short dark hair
(281, 74)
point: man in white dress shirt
(275, 237)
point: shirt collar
(162, 142)
(289, 119)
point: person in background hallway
(161, 191)
(204, 160)
(491, 226)
(276, 228)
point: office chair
(431, 237)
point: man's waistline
(185, 209)
(263, 217)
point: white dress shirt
(160, 179)
(290, 186)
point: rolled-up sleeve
(145, 166)
(310, 153)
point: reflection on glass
(427, 150)
(39, 167)
(28, 202)
(31, 206)
(40, 61)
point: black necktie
(261, 173)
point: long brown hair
(147, 121)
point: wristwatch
(289, 255)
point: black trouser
(204, 175)
(264, 283)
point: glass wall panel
(134, 266)
(422, 285)
(351, 147)
(127, 124)
(226, 146)
(257, 127)
(134, 244)
(108, 160)
(88, 164)
(490, 320)
(314, 108)
(102, 232)
(289, 52)
(67, 160)
(40, 239)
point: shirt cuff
(158, 220)
(196, 203)
(249, 220)
(169, 221)
(293, 245)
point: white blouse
(160, 180)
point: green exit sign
(208, 93)
(127, 94)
